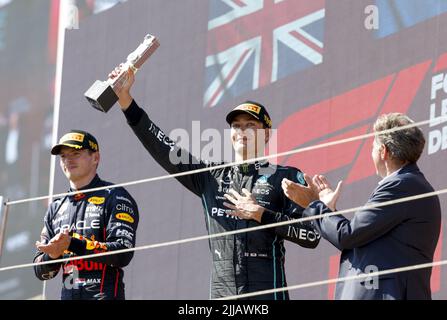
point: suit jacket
(387, 237)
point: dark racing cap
(255, 109)
(76, 139)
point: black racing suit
(244, 262)
(99, 221)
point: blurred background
(28, 50)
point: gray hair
(403, 145)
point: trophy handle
(120, 80)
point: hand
(56, 246)
(326, 194)
(301, 195)
(245, 207)
(123, 93)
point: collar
(248, 167)
(81, 195)
(389, 177)
(406, 168)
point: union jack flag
(396, 15)
(253, 43)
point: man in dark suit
(381, 238)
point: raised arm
(165, 151)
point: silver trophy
(101, 94)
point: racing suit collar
(250, 167)
(79, 196)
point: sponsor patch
(96, 200)
(262, 179)
(72, 137)
(93, 145)
(300, 178)
(249, 107)
(124, 207)
(123, 199)
(267, 120)
(125, 217)
(124, 233)
(79, 196)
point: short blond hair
(404, 145)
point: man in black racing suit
(87, 223)
(244, 262)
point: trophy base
(101, 96)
